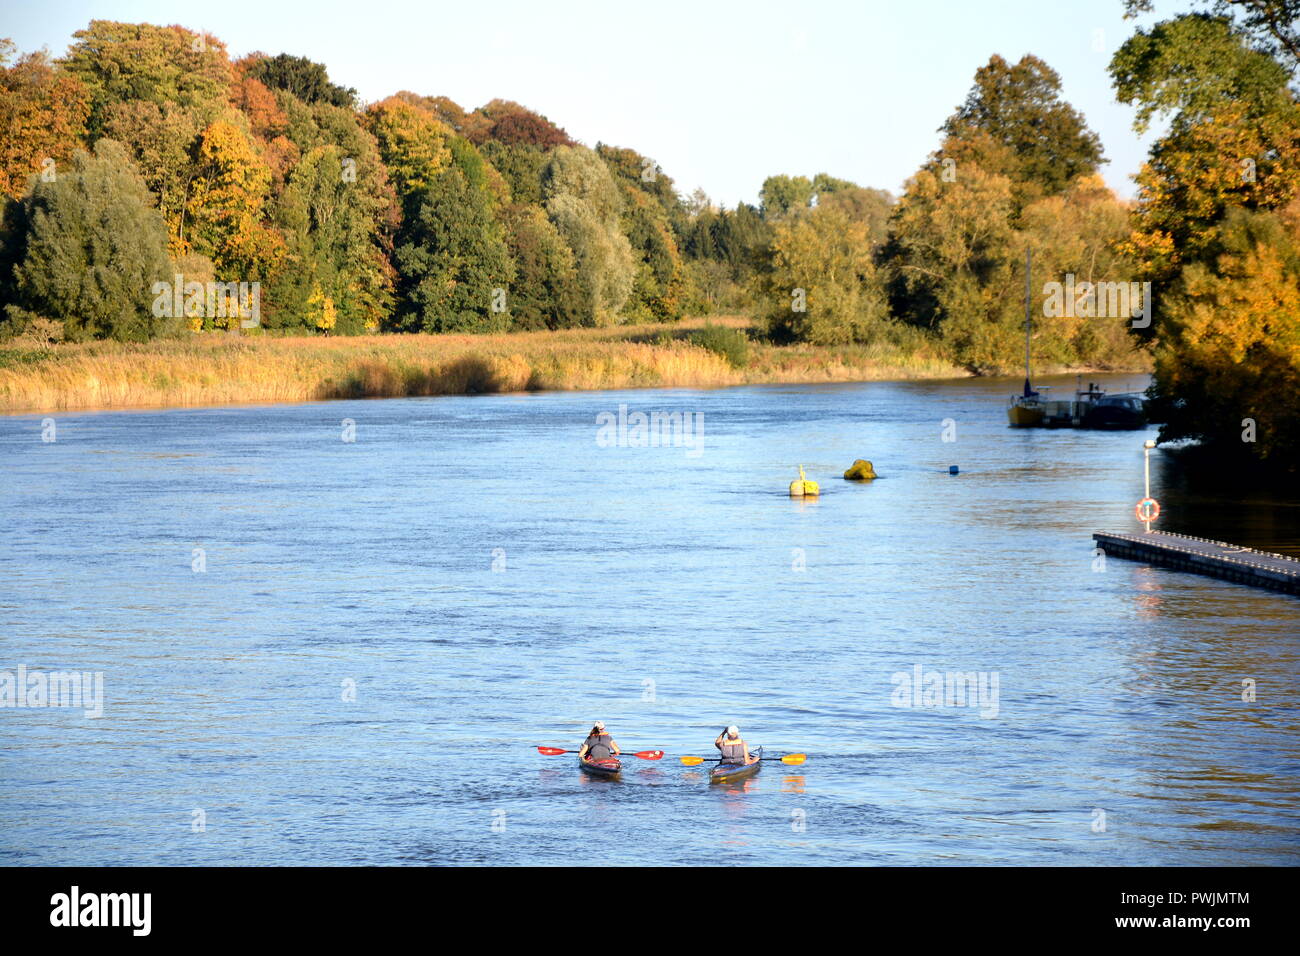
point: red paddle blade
(649, 754)
(551, 751)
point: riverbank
(221, 370)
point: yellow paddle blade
(691, 761)
(794, 758)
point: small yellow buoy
(861, 470)
(803, 487)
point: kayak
(731, 772)
(607, 768)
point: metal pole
(1146, 467)
(1027, 324)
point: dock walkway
(1219, 559)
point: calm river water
(345, 652)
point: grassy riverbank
(219, 369)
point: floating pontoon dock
(1232, 562)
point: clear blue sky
(720, 94)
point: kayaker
(734, 749)
(598, 745)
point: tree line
(146, 153)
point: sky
(720, 94)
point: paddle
(643, 754)
(786, 758)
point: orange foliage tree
(43, 115)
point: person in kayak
(734, 749)
(598, 745)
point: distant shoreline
(223, 370)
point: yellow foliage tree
(226, 206)
(1228, 362)
(321, 311)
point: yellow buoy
(803, 487)
(861, 470)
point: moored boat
(1090, 408)
(1116, 411)
(731, 772)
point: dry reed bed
(219, 370)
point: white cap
(733, 731)
(599, 725)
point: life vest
(732, 751)
(599, 746)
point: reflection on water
(487, 579)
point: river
(326, 651)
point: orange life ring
(1151, 511)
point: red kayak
(608, 768)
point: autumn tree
(1228, 360)
(43, 114)
(1233, 140)
(1079, 233)
(412, 143)
(1216, 226)
(507, 122)
(226, 206)
(121, 62)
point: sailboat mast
(1028, 387)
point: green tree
(1018, 109)
(161, 140)
(585, 204)
(93, 248)
(652, 218)
(521, 165)
(332, 219)
(545, 293)
(454, 264)
(822, 287)
(953, 259)
(1189, 67)
(780, 194)
(1273, 26)
(298, 75)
